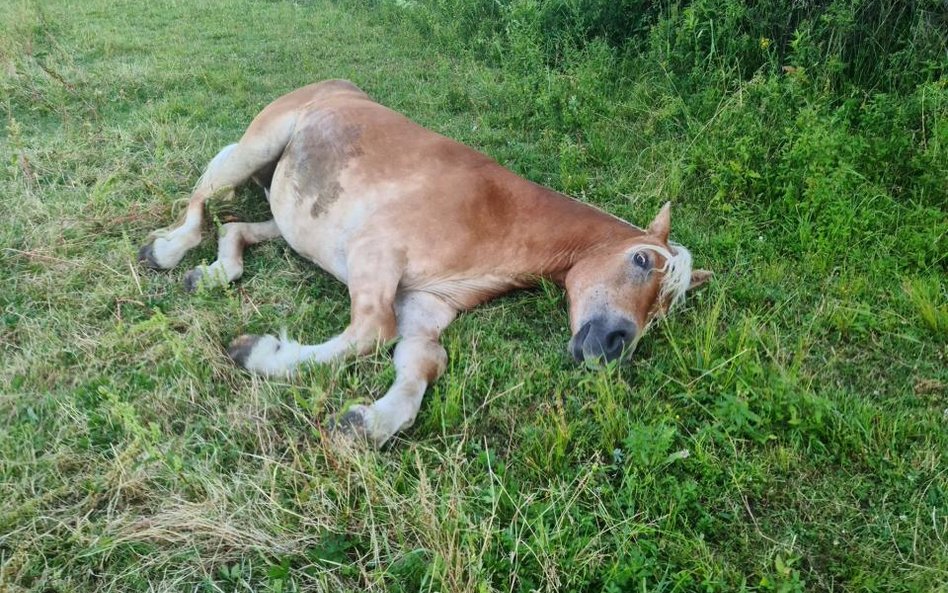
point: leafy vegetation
(786, 431)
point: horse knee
(421, 357)
(372, 321)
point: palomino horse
(419, 227)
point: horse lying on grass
(419, 227)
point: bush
(826, 117)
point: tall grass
(826, 118)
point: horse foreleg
(419, 360)
(373, 282)
(233, 238)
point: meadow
(785, 431)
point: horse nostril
(602, 338)
(577, 341)
(615, 341)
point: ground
(786, 430)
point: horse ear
(699, 277)
(661, 225)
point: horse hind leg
(254, 156)
(233, 238)
(168, 246)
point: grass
(786, 431)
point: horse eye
(640, 260)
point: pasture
(786, 430)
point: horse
(419, 227)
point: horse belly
(322, 238)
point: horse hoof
(146, 256)
(352, 421)
(352, 426)
(240, 349)
(192, 280)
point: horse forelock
(677, 271)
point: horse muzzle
(603, 338)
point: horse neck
(561, 231)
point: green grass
(786, 431)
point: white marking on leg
(372, 321)
(418, 361)
(233, 238)
(280, 357)
(170, 245)
(211, 173)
